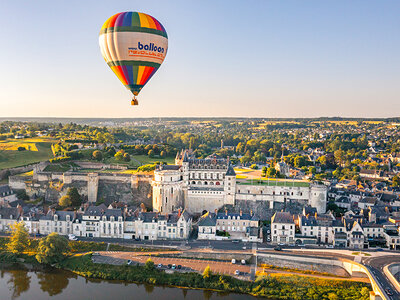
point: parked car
(389, 292)
(129, 262)
(179, 267)
(233, 261)
(173, 267)
(243, 262)
(159, 266)
(72, 237)
(237, 272)
(278, 248)
(235, 241)
(169, 266)
(95, 254)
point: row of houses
(227, 225)
(371, 228)
(101, 222)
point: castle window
(172, 190)
(217, 183)
(193, 182)
(166, 200)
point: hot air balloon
(134, 45)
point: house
(6, 195)
(57, 221)
(366, 202)
(282, 228)
(207, 227)
(8, 217)
(343, 202)
(236, 224)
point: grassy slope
(10, 159)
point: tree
(51, 249)
(207, 272)
(97, 155)
(74, 196)
(263, 171)
(312, 170)
(299, 161)
(127, 157)
(19, 238)
(162, 154)
(119, 155)
(396, 180)
(271, 172)
(149, 265)
(65, 201)
(150, 153)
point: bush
(60, 159)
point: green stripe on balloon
(134, 29)
(133, 63)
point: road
(376, 264)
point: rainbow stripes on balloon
(134, 45)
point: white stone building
(282, 228)
(199, 185)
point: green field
(11, 158)
(273, 182)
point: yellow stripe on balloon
(143, 21)
(140, 74)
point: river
(57, 284)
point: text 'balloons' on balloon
(134, 45)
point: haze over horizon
(225, 59)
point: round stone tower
(318, 197)
(167, 189)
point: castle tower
(167, 189)
(318, 197)
(230, 185)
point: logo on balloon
(150, 47)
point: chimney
(251, 212)
(241, 213)
(216, 211)
(20, 210)
(179, 213)
(226, 212)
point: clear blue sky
(225, 58)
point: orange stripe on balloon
(146, 75)
(118, 71)
(113, 19)
(151, 22)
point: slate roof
(230, 171)
(208, 220)
(7, 212)
(282, 217)
(5, 190)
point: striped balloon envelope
(134, 45)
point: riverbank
(273, 287)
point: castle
(210, 183)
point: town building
(282, 228)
